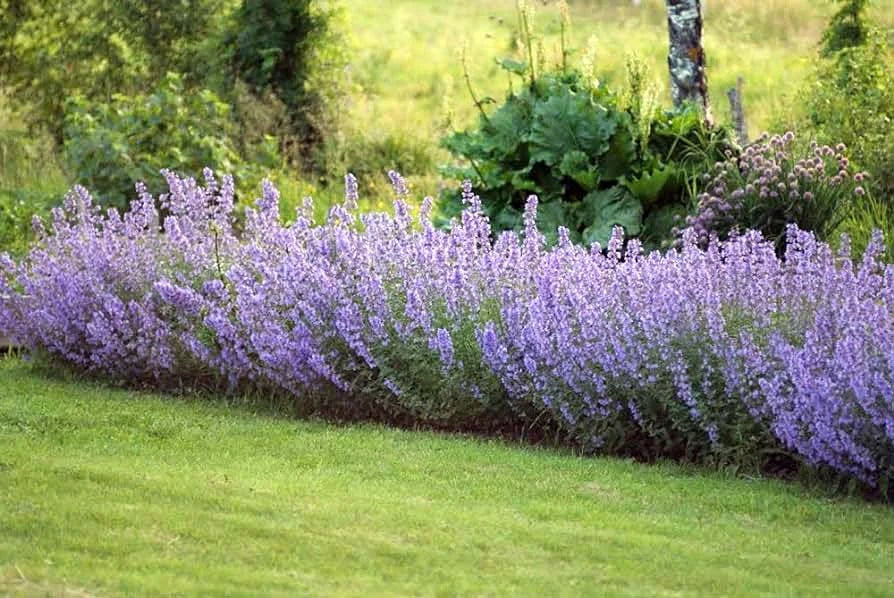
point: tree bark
(686, 58)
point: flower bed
(726, 355)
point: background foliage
(127, 88)
(110, 146)
(850, 100)
(289, 51)
(593, 163)
(395, 101)
(847, 27)
(95, 49)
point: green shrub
(53, 49)
(111, 146)
(174, 35)
(850, 99)
(847, 28)
(593, 163)
(289, 53)
(370, 156)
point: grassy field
(408, 70)
(106, 492)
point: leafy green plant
(850, 99)
(847, 27)
(290, 51)
(592, 162)
(111, 146)
(51, 49)
(596, 160)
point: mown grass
(110, 492)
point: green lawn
(109, 492)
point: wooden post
(686, 58)
(738, 110)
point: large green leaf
(503, 133)
(549, 186)
(657, 225)
(550, 216)
(650, 186)
(522, 180)
(608, 208)
(567, 122)
(621, 154)
(513, 66)
(505, 218)
(576, 165)
(463, 143)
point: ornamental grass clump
(724, 354)
(768, 187)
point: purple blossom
(401, 190)
(769, 186)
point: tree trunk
(686, 59)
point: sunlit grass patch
(106, 492)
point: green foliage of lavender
(725, 355)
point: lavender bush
(725, 354)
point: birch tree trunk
(686, 58)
